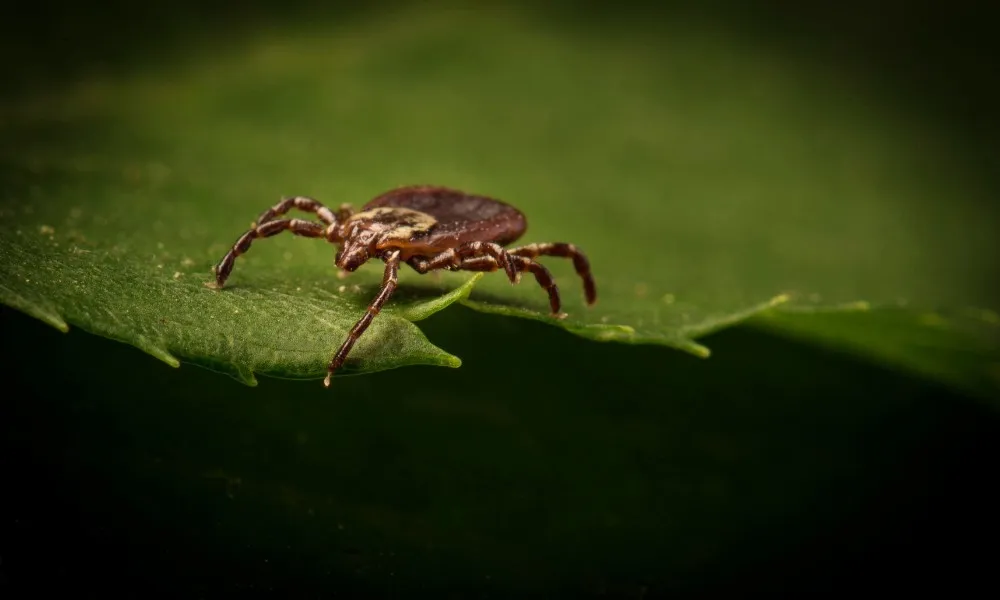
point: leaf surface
(710, 180)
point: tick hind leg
(453, 258)
(296, 226)
(580, 262)
(389, 279)
(489, 264)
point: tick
(426, 227)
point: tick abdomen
(459, 218)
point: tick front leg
(580, 262)
(389, 279)
(296, 226)
(305, 204)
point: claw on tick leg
(508, 266)
(326, 380)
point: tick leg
(305, 204)
(544, 279)
(388, 287)
(496, 251)
(453, 258)
(420, 264)
(296, 226)
(580, 262)
(489, 264)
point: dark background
(772, 467)
(795, 472)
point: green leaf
(709, 180)
(956, 348)
(238, 331)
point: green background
(546, 461)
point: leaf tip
(443, 360)
(695, 348)
(55, 321)
(422, 310)
(147, 346)
(471, 283)
(779, 299)
(245, 376)
(38, 311)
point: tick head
(352, 256)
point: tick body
(426, 227)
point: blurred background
(639, 471)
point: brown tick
(428, 228)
